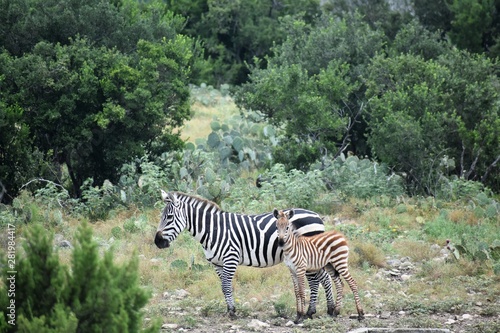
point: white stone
(289, 323)
(385, 315)
(257, 324)
(405, 277)
(170, 326)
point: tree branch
(490, 167)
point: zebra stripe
(327, 250)
(231, 239)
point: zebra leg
(314, 280)
(226, 274)
(300, 286)
(314, 287)
(339, 286)
(354, 287)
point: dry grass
(417, 251)
(366, 254)
(202, 115)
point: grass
(452, 287)
(207, 106)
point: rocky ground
(480, 315)
(452, 323)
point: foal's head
(283, 225)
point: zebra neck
(291, 241)
(203, 220)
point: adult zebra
(231, 239)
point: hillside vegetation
(419, 261)
(382, 116)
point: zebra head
(283, 225)
(172, 220)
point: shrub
(95, 295)
(278, 189)
(361, 178)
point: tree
(94, 102)
(233, 33)
(94, 109)
(471, 23)
(311, 88)
(96, 295)
(432, 117)
(379, 14)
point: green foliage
(413, 106)
(95, 295)
(141, 181)
(235, 33)
(280, 188)
(361, 178)
(310, 86)
(471, 21)
(95, 101)
(475, 242)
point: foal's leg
(300, 294)
(339, 286)
(354, 287)
(314, 280)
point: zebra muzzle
(160, 241)
(281, 242)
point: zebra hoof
(361, 316)
(331, 311)
(310, 313)
(300, 318)
(232, 313)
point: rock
(450, 322)
(58, 238)
(435, 248)
(66, 244)
(401, 313)
(385, 315)
(405, 277)
(466, 316)
(257, 324)
(406, 265)
(181, 294)
(394, 262)
(289, 323)
(170, 326)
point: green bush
(279, 189)
(94, 295)
(361, 178)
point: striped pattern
(231, 239)
(327, 250)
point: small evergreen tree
(97, 296)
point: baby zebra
(328, 250)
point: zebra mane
(191, 198)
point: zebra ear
(276, 213)
(172, 197)
(164, 196)
(290, 213)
